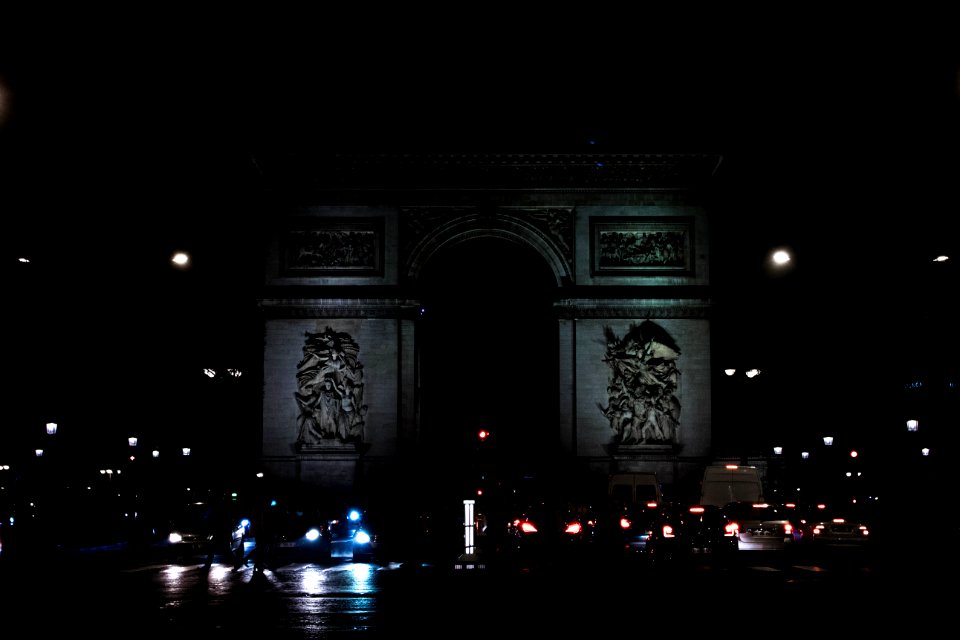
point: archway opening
(488, 360)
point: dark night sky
(844, 144)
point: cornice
(576, 308)
(488, 172)
(339, 307)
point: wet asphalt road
(124, 597)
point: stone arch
(546, 240)
(487, 345)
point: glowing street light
(828, 440)
(781, 256)
(51, 428)
(913, 425)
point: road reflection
(370, 600)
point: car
(345, 526)
(523, 523)
(365, 545)
(376, 535)
(685, 533)
(836, 527)
(631, 525)
(840, 532)
(763, 526)
(578, 528)
(354, 528)
(203, 530)
(300, 533)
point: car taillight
(697, 509)
(573, 528)
(527, 527)
(731, 529)
(788, 529)
(624, 523)
(668, 531)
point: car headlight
(175, 537)
(361, 537)
(313, 534)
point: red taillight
(731, 529)
(527, 527)
(651, 505)
(788, 528)
(624, 523)
(668, 531)
(697, 509)
(573, 528)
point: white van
(723, 484)
(633, 488)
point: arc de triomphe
(622, 242)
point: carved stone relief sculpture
(330, 389)
(642, 406)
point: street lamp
(132, 441)
(828, 440)
(912, 425)
(777, 451)
(51, 428)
